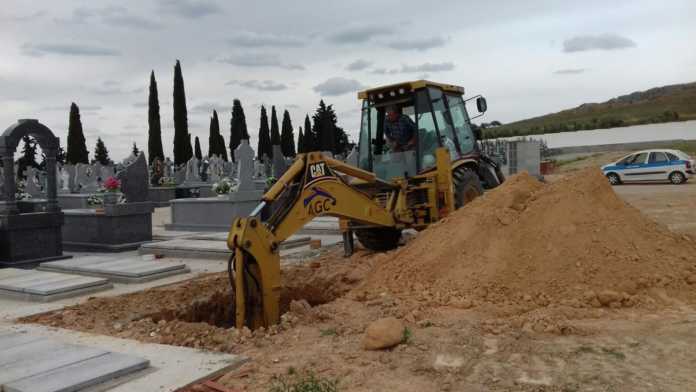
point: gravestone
(180, 174)
(31, 186)
(279, 165)
(157, 172)
(245, 167)
(192, 175)
(63, 180)
(134, 180)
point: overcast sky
(527, 57)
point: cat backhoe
(376, 196)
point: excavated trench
(218, 309)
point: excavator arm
(313, 186)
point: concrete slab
(123, 270)
(204, 249)
(170, 368)
(32, 362)
(80, 375)
(41, 286)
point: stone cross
(192, 174)
(245, 166)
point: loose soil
(533, 287)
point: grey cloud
(292, 106)
(114, 16)
(607, 41)
(260, 60)
(140, 105)
(570, 71)
(359, 34)
(384, 71)
(37, 50)
(261, 85)
(418, 43)
(207, 107)
(337, 86)
(24, 18)
(358, 65)
(252, 40)
(120, 17)
(190, 8)
(66, 108)
(427, 67)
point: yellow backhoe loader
(391, 188)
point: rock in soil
(383, 333)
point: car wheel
(677, 178)
(614, 179)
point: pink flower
(112, 184)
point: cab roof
(412, 85)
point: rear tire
(677, 178)
(467, 186)
(614, 179)
(379, 239)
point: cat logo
(323, 203)
(317, 170)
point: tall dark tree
(135, 150)
(77, 149)
(188, 148)
(300, 142)
(101, 154)
(221, 147)
(287, 136)
(328, 135)
(238, 127)
(213, 139)
(308, 143)
(264, 145)
(275, 131)
(154, 129)
(197, 152)
(28, 157)
(182, 139)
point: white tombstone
(245, 167)
(279, 165)
(63, 177)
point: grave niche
(27, 239)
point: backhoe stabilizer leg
(257, 273)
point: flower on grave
(94, 200)
(223, 186)
(270, 181)
(112, 184)
(21, 194)
(167, 181)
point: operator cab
(435, 112)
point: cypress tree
(308, 142)
(221, 147)
(275, 131)
(198, 153)
(264, 145)
(154, 130)
(238, 127)
(213, 140)
(182, 139)
(135, 150)
(28, 157)
(324, 130)
(101, 154)
(287, 138)
(188, 148)
(300, 142)
(77, 149)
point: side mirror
(481, 104)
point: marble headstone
(279, 165)
(32, 186)
(245, 167)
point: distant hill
(657, 105)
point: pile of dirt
(527, 245)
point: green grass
(408, 335)
(603, 350)
(328, 332)
(307, 382)
(658, 105)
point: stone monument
(27, 239)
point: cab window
(444, 122)
(658, 157)
(638, 159)
(460, 120)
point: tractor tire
(488, 175)
(467, 186)
(379, 239)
